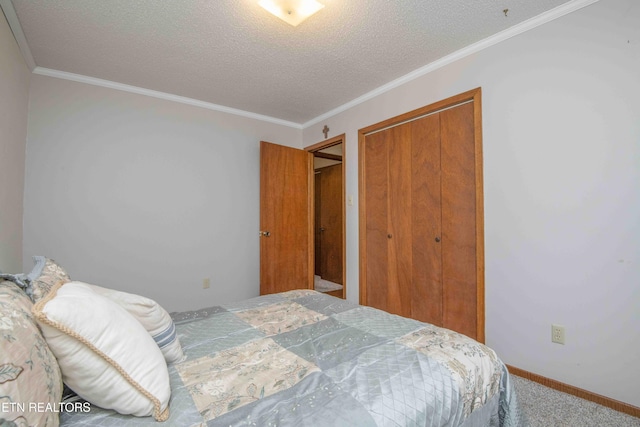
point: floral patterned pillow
(30, 379)
(45, 274)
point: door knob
(389, 236)
(437, 240)
(265, 233)
(322, 229)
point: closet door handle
(389, 236)
(437, 240)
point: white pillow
(153, 317)
(104, 353)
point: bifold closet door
(420, 216)
(403, 220)
(380, 289)
(459, 220)
(426, 219)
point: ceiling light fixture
(292, 12)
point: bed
(304, 358)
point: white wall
(145, 195)
(561, 135)
(14, 97)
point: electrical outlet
(206, 283)
(557, 334)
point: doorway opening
(329, 216)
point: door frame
(474, 96)
(340, 139)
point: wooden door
(459, 246)
(426, 217)
(403, 218)
(376, 289)
(329, 225)
(286, 221)
(421, 218)
(399, 233)
(317, 237)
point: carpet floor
(546, 407)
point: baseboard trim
(575, 391)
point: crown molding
(161, 95)
(16, 29)
(18, 34)
(14, 24)
(522, 27)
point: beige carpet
(546, 407)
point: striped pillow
(152, 316)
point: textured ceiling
(233, 53)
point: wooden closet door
(404, 272)
(459, 220)
(426, 215)
(421, 191)
(399, 227)
(376, 251)
(390, 235)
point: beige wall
(145, 195)
(14, 96)
(561, 188)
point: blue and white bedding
(302, 358)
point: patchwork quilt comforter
(302, 358)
